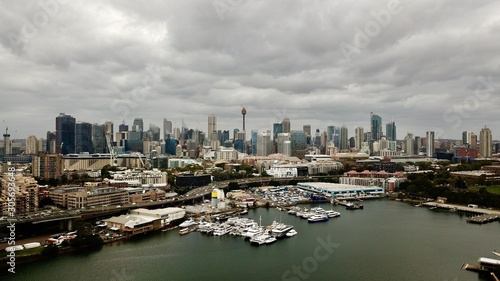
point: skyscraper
(473, 141)
(430, 143)
(390, 131)
(138, 125)
(298, 143)
(244, 112)
(329, 133)
(344, 138)
(485, 145)
(409, 144)
(212, 126)
(65, 133)
(32, 145)
(376, 126)
(99, 138)
(286, 125)
(264, 144)
(307, 129)
(109, 130)
(358, 137)
(167, 128)
(464, 138)
(83, 137)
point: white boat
(332, 214)
(270, 239)
(188, 222)
(184, 231)
(221, 231)
(245, 211)
(280, 229)
(258, 240)
(32, 245)
(317, 218)
(291, 233)
(251, 232)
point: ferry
(184, 231)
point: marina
(360, 246)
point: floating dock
(483, 219)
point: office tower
(390, 131)
(376, 126)
(317, 138)
(123, 128)
(255, 134)
(51, 142)
(31, 145)
(212, 126)
(264, 144)
(177, 133)
(277, 129)
(167, 128)
(155, 132)
(65, 133)
(409, 144)
(344, 138)
(83, 137)
(298, 143)
(329, 133)
(352, 142)
(244, 112)
(281, 142)
(7, 143)
(138, 125)
(464, 138)
(286, 125)
(418, 145)
(430, 144)
(358, 137)
(473, 141)
(99, 138)
(109, 130)
(307, 129)
(485, 142)
(235, 134)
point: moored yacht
(317, 218)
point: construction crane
(112, 152)
(146, 165)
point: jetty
(479, 215)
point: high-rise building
(264, 144)
(390, 131)
(277, 129)
(485, 143)
(167, 128)
(286, 125)
(430, 143)
(138, 125)
(298, 143)
(109, 130)
(464, 138)
(123, 127)
(281, 142)
(329, 133)
(65, 133)
(99, 142)
(376, 127)
(418, 145)
(344, 138)
(50, 142)
(155, 132)
(83, 137)
(212, 126)
(307, 129)
(7, 143)
(473, 141)
(254, 140)
(409, 144)
(31, 145)
(358, 137)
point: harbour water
(386, 241)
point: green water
(386, 241)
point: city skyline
(117, 61)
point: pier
(481, 215)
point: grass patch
(37, 250)
(495, 189)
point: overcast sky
(427, 65)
